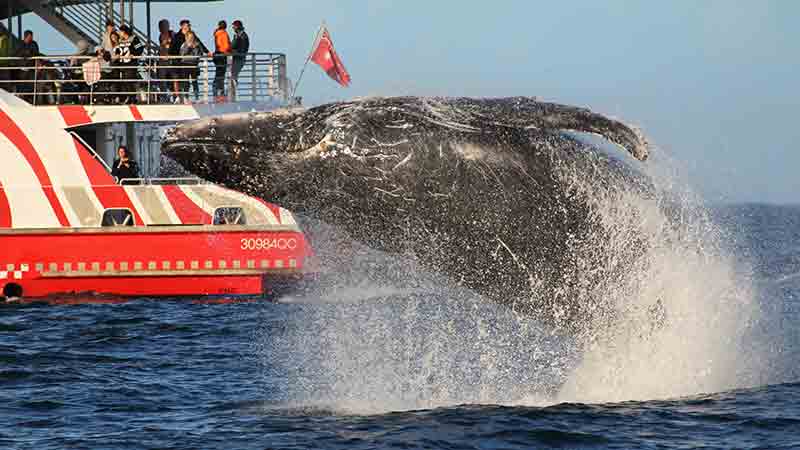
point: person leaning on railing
(175, 50)
(116, 72)
(163, 72)
(191, 54)
(76, 86)
(222, 49)
(240, 47)
(130, 48)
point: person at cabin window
(124, 168)
(222, 49)
(128, 51)
(240, 47)
(191, 54)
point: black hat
(125, 29)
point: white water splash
(681, 323)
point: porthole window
(117, 217)
(229, 215)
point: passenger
(116, 72)
(125, 168)
(240, 47)
(27, 49)
(191, 54)
(48, 83)
(222, 44)
(101, 89)
(5, 52)
(107, 44)
(175, 50)
(130, 48)
(164, 74)
(76, 86)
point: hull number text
(269, 244)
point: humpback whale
(480, 190)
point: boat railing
(60, 79)
(162, 181)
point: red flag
(325, 56)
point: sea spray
(667, 312)
(685, 312)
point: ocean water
(387, 366)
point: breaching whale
(476, 189)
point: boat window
(229, 215)
(117, 217)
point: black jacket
(127, 49)
(25, 50)
(240, 44)
(129, 171)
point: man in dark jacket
(240, 46)
(27, 49)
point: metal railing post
(149, 71)
(253, 77)
(205, 72)
(35, 81)
(229, 74)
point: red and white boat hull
(54, 196)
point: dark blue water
(390, 371)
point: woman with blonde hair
(191, 53)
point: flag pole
(310, 53)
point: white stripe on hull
(138, 204)
(197, 200)
(29, 206)
(267, 213)
(57, 152)
(173, 216)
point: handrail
(141, 182)
(161, 181)
(153, 79)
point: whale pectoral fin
(581, 120)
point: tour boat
(66, 226)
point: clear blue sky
(714, 83)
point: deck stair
(81, 19)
